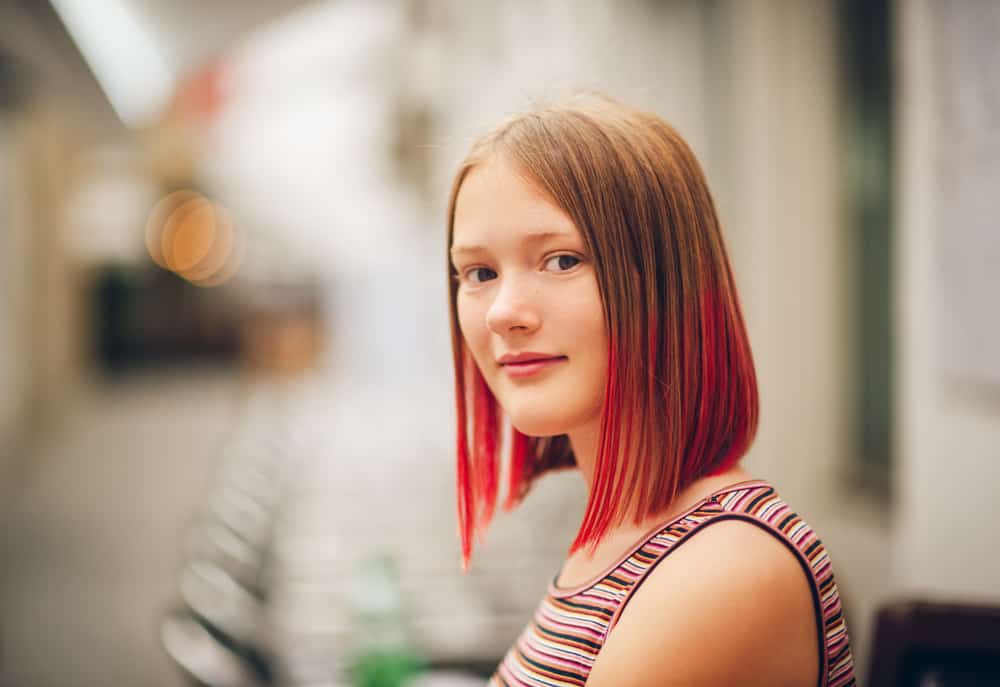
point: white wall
(949, 438)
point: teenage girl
(593, 305)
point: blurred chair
(930, 644)
(208, 661)
(268, 585)
(219, 635)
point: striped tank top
(559, 646)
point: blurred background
(225, 385)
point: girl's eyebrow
(537, 237)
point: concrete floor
(91, 526)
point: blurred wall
(14, 296)
(42, 312)
(949, 434)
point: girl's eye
(471, 274)
(565, 262)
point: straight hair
(681, 398)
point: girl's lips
(530, 368)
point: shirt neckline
(561, 592)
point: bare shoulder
(730, 605)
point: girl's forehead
(497, 203)
(498, 174)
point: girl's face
(527, 285)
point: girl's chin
(536, 427)
(540, 414)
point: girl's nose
(514, 307)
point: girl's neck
(584, 442)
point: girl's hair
(681, 395)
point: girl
(593, 305)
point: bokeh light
(195, 238)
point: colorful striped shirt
(558, 647)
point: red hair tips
(607, 488)
(477, 474)
(517, 483)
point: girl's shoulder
(732, 596)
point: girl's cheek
(476, 315)
(472, 323)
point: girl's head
(629, 288)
